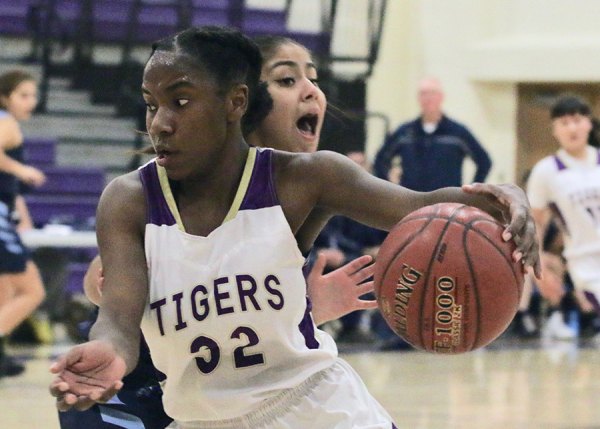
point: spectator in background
(21, 288)
(429, 151)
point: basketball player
(567, 184)
(276, 116)
(204, 246)
(21, 288)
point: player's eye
(182, 102)
(286, 81)
(315, 81)
(150, 107)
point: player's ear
(237, 102)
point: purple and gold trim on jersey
(261, 191)
(158, 211)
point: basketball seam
(471, 227)
(448, 219)
(406, 242)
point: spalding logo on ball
(445, 279)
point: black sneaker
(9, 367)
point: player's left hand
(338, 293)
(511, 201)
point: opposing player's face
(295, 122)
(572, 132)
(186, 117)
(22, 101)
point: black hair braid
(259, 107)
(228, 55)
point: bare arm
(10, 136)
(335, 184)
(120, 230)
(92, 372)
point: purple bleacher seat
(264, 21)
(210, 12)
(40, 152)
(72, 180)
(75, 274)
(109, 19)
(13, 17)
(66, 208)
(156, 22)
(68, 11)
(211, 4)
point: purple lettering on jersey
(202, 303)
(157, 305)
(275, 305)
(219, 296)
(222, 298)
(246, 292)
(181, 324)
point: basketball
(445, 279)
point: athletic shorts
(140, 409)
(13, 254)
(333, 398)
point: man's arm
(479, 155)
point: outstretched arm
(335, 184)
(92, 372)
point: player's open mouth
(307, 125)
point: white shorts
(335, 398)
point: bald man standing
(428, 153)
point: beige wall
(480, 49)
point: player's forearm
(117, 330)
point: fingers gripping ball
(445, 279)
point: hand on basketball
(338, 293)
(514, 207)
(87, 374)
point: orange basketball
(445, 279)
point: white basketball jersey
(571, 188)
(227, 318)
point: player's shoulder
(9, 129)
(124, 190)
(301, 160)
(545, 166)
(311, 168)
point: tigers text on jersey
(226, 318)
(571, 187)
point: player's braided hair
(229, 56)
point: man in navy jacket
(428, 152)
